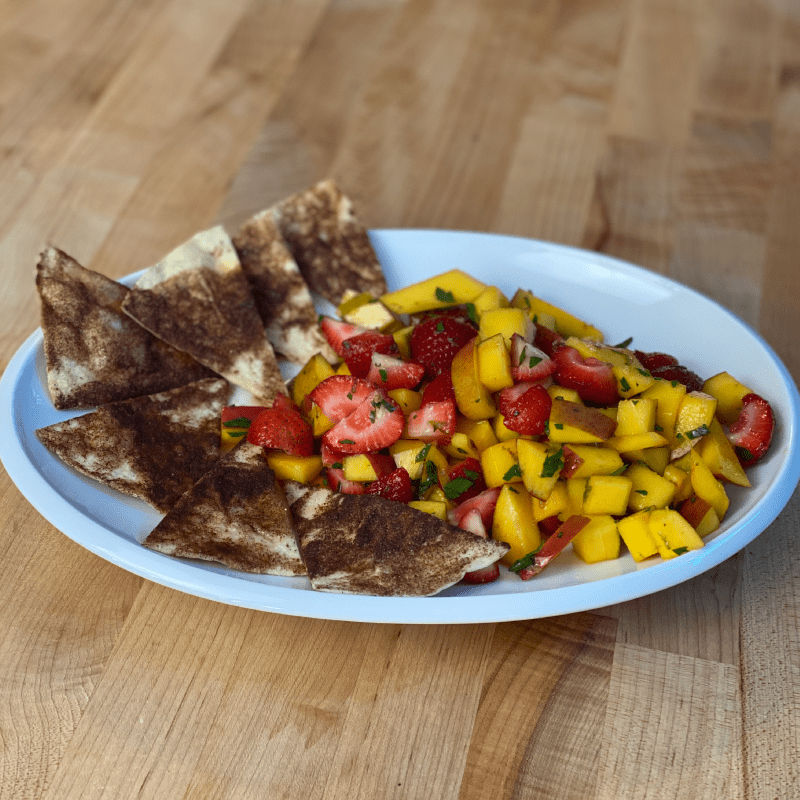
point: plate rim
(185, 576)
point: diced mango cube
(461, 446)
(541, 465)
(514, 523)
(473, 399)
(489, 299)
(494, 363)
(728, 393)
(556, 503)
(636, 416)
(506, 322)
(402, 338)
(597, 541)
(595, 460)
(649, 489)
(635, 532)
(563, 393)
(434, 507)
(718, 453)
(408, 399)
(673, 534)
(637, 441)
(500, 464)
(681, 479)
(409, 454)
(705, 485)
(669, 396)
(316, 370)
(294, 468)
(607, 494)
(694, 416)
(358, 468)
(372, 315)
(576, 488)
(480, 432)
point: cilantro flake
(444, 296)
(513, 472)
(455, 488)
(553, 463)
(239, 422)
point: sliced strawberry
(485, 503)
(242, 415)
(651, 361)
(529, 363)
(464, 480)
(549, 525)
(528, 413)
(331, 457)
(691, 380)
(283, 428)
(357, 350)
(381, 464)
(433, 422)
(591, 378)
(483, 575)
(440, 388)
(390, 373)
(340, 395)
(472, 522)
(435, 342)
(546, 340)
(337, 332)
(394, 486)
(377, 422)
(338, 482)
(751, 434)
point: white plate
(621, 299)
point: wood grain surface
(664, 132)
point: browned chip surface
(365, 544)
(94, 352)
(237, 515)
(154, 447)
(331, 247)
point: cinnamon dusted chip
(331, 247)
(198, 300)
(280, 292)
(154, 447)
(237, 515)
(93, 351)
(366, 544)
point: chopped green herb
(533, 361)
(644, 372)
(624, 385)
(444, 296)
(472, 313)
(473, 476)
(513, 472)
(620, 470)
(559, 426)
(625, 343)
(346, 441)
(744, 454)
(658, 428)
(456, 487)
(642, 492)
(431, 477)
(553, 463)
(337, 465)
(423, 453)
(526, 561)
(384, 375)
(439, 327)
(236, 434)
(674, 383)
(679, 551)
(702, 430)
(239, 422)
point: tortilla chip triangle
(198, 300)
(154, 447)
(366, 544)
(331, 247)
(280, 292)
(237, 515)
(93, 351)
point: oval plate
(621, 299)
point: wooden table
(665, 132)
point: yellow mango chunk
(636, 416)
(540, 464)
(408, 453)
(489, 299)
(500, 464)
(635, 532)
(672, 533)
(565, 323)
(705, 485)
(449, 288)
(728, 393)
(402, 338)
(668, 397)
(473, 399)
(408, 399)
(557, 392)
(506, 322)
(319, 422)
(597, 541)
(514, 523)
(461, 446)
(372, 315)
(718, 453)
(358, 468)
(656, 458)
(694, 416)
(556, 503)
(681, 479)
(434, 507)
(595, 460)
(315, 370)
(294, 468)
(576, 488)
(648, 489)
(494, 363)
(637, 441)
(480, 432)
(607, 494)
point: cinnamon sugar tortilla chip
(237, 515)
(95, 353)
(281, 294)
(198, 300)
(331, 247)
(154, 447)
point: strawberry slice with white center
(591, 378)
(340, 395)
(389, 372)
(529, 363)
(375, 423)
(751, 434)
(337, 332)
(434, 422)
(525, 408)
(472, 522)
(338, 482)
(485, 503)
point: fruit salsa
(512, 419)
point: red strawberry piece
(435, 342)
(651, 361)
(330, 456)
(485, 503)
(751, 434)
(458, 313)
(507, 398)
(382, 464)
(691, 380)
(340, 395)
(394, 486)
(282, 428)
(549, 525)
(433, 422)
(390, 373)
(529, 363)
(472, 522)
(377, 422)
(241, 414)
(464, 480)
(440, 388)
(338, 483)
(591, 378)
(546, 340)
(529, 412)
(337, 332)
(553, 545)
(357, 350)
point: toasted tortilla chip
(198, 300)
(93, 351)
(154, 447)
(237, 515)
(280, 292)
(365, 544)
(331, 247)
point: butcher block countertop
(662, 132)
